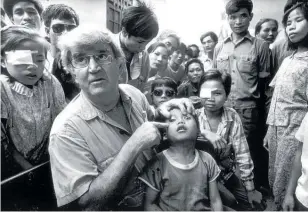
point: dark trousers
(253, 120)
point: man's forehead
(241, 11)
(24, 5)
(97, 48)
(63, 21)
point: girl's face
(194, 73)
(181, 127)
(269, 31)
(297, 26)
(218, 95)
(24, 73)
(159, 58)
(162, 94)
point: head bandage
(20, 57)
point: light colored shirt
(246, 62)
(139, 68)
(301, 191)
(84, 141)
(30, 113)
(182, 187)
(290, 98)
(230, 128)
(207, 62)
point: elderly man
(24, 12)
(102, 139)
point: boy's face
(162, 94)
(178, 56)
(181, 127)
(217, 95)
(240, 20)
(208, 44)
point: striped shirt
(236, 151)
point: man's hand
(184, 104)
(147, 135)
(288, 203)
(254, 197)
(217, 141)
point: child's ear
(3, 64)
(124, 32)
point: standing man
(247, 60)
(24, 12)
(208, 41)
(58, 20)
(139, 27)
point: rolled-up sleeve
(73, 166)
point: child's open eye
(187, 117)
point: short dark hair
(189, 52)
(197, 47)
(290, 6)
(262, 21)
(182, 48)
(9, 4)
(155, 45)
(215, 74)
(166, 81)
(140, 21)
(211, 34)
(59, 11)
(234, 6)
(191, 61)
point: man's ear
(251, 16)
(124, 32)
(47, 30)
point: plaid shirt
(237, 151)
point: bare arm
(103, 187)
(216, 203)
(288, 204)
(150, 200)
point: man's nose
(26, 16)
(93, 65)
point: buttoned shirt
(139, 68)
(30, 113)
(290, 98)
(84, 141)
(246, 62)
(207, 62)
(230, 128)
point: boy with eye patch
(162, 90)
(222, 127)
(182, 178)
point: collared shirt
(139, 68)
(246, 62)
(84, 141)
(30, 113)
(290, 98)
(230, 128)
(207, 62)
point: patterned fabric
(282, 150)
(246, 62)
(84, 141)
(29, 114)
(181, 187)
(237, 151)
(290, 98)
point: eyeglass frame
(165, 92)
(88, 56)
(65, 26)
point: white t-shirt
(302, 183)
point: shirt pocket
(223, 62)
(245, 67)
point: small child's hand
(218, 142)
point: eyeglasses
(59, 28)
(168, 93)
(82, 61)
